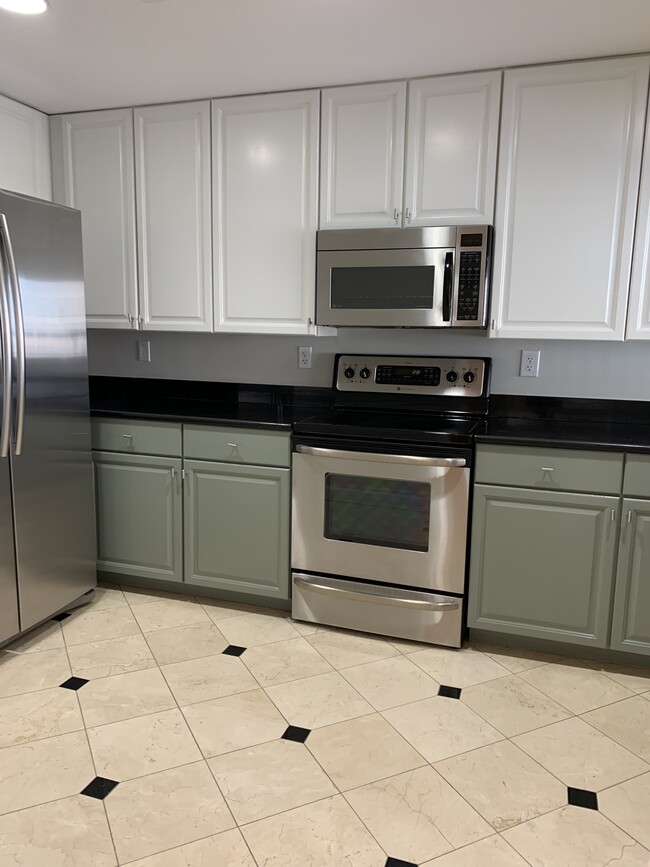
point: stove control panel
(448, 377)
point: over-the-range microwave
(433, 277)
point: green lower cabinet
(631, 620)
(139, 515)
(237, 527)
(542, 564)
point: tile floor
(164, 731)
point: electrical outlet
(304, 356)
(529, 362)
(144, 350)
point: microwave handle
(446, 286)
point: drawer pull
(547, 469)
(128, 437)
(613, 515)
(232, 445)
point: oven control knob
(348, 373)
(469, 376)
(364, 373)
(452, 376)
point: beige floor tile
(44, 770)
(143, 745)
(284, 661)
(107, 597)
(249, 630)
(269, 778)
(362, 750)
(305, 628)
(628, 806)
(343, 649)
(221, 609)
(48, 636)
(69, 833)
(516, 659)
(145, 595)
(35, 715)
(208, 677)
(123, 696)
(627, 722)
(512, 705)
(324, 834)
(90, 626)
(227, 849)
(167, 613)
(581, 756)
(575, 686)
(417, 815)
(634, 678)
(410, 646)
(391, 682)
(114, 656)
(234, 722)
(504, 784)
(318, 701)
(24, 672)
(167, 809)
(573, 837)
(181, 643)
(462, 668)
(490, 852)
(441, 727)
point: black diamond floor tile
(295, 733)
(74, 683)
(582, 798)
(233, 650)
(397, 862)
(99, 788)
(450, 691)
(61, 616)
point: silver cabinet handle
(17, 304)
(407, 214)
(374, 593)
(629, 516)
(547, 469)
(396, 215)
(7, 363)
(232, 445)
(613, 516)
(173, 473)
(412, 460)
(128, 437)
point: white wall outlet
(529, 362)
(144, 350)
(304, 356)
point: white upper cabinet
(92, 163)
(638, 317)
(24, 150)
(569, 164)
(265, 212)
(362, 155)
(451, 157)
(172, 146)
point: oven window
(408, 287)
(384, 512)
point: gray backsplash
(567, 368)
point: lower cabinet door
(139, 515)
(631, 620)
(542, 563)
(237, 527)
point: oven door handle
(374, 593)
(413, 460)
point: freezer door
(8, 592)
(51, 453)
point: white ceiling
(87, 54)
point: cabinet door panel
(638, 319)
(542, 564)
(139, 517)
(237, 528)
(362, 155)
(631, 620)
(569, 165)
(24, 150)
(174, 216)
(452, 149)
(92, 156)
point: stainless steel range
(381, 497)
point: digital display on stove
(407, 375)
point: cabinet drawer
(637, 476)
(237, 446)
(552, 469)
(136, 436)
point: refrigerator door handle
(7, 360)
(17, 303)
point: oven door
(397, 519)
(399, 288)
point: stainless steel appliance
(381, 497)
(435, 277)
(47, 533)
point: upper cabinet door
(569, 166)
(362, 156)
(92, 170)
(24, 150)
(265, 212)
(172, 144)
(451, 155)
(638, 317)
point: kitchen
(187, 714)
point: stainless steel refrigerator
(47, 529)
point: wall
(567, 368)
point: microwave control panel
(449, 377)
(473, 248)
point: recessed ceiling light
(25, 7)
